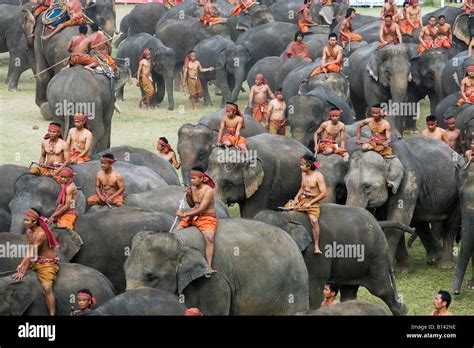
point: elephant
(449, 12)
(276, 280)
(163, 60)
(9, 174)
(380, 75)
(166, 199)
(5, 220)
(448, 107)
(462, 28)
(142, 157)
(454, 71)
(310, 110)
(358, 22)
(124, 25)
(14, 41)
(263, 179)
(229, 60)
(467, 197)
(107, 237)
(144, 17)
(27, 298)
(334, 169)
(102, 12)
(195, 142)
(141, 301)
(76, 90)
(266, 66)
(410, 188)
(352, 307)
(291, 67)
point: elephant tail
(397, 225)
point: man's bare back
(79, 44)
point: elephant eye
(151, 277)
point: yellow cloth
(314, 209)
(47, 272)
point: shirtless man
(101, 44)
(468, 7)
(85, 301)
(165, 151)
(258, 98)
(381, 133)
(433, 131)
(211, 15)
(467, 87)
(308, 199)
(428, 36)
(441, 304)
(79, 140)
(413, 16)
(109, 184)
(65, 214)
(54, 153)
(80, 46)
(200, 197)
(298, 48)
(389, 32)
(389, 8)
(232, 123)
(346, 34)
(191, 76)
(144, 78)
(454, 134)
(305, 21)
(330, 294)
(402, 19)
(42, 244)
(275, 120)
(330, 130)
(331, 61)
(445, 33)
(76, 17)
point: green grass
(20, 144)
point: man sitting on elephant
(101, 44)
(211, 15)
(258, 98)
(42, 244)
(41, 7)
(445, 33)
(413, 16)
(467, 87)
(441, 304)
(402, 18)
(389, 32)
(276, 120)
(433, 131)
(200, 197)
(381, 132)
(80, 46)
(241, 5)
(65, 214)
(79, 140)
(454, 134)
(85, 302)
(305, 21)
(144, 79)
(331, 129)
(311, 193)
(428, 36)
(346, 33)
(389, 8)
(109, 184)
(232, 123)
(330, 294)
(54, 153)
(332, 57)
(76, 17)
(298, 48)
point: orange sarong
(469, 96)
(324, 145)
(204, 222)
(259, 111)
(377, 145)
(42, 171)
(77, 21)
(430, 45)
(47, 270)
(314, 209)
(239, 8)
(230, 137)
(303, 26)
(346, 37)
(73, 156)
(208, 19)
(81, 59)
(95, 200)
(39, 10)
(331, 68)
(406, 28)
(67, 220)
(443, 41)
(147, 86)
(277, 126)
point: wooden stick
(90, 20)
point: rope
(181, 206)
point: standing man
(79, 140)
(276, 120)
(54, 153)
(441, 304)
(346, 33)
(42, 244)
(191, 76)
(330, 294)
(109, 184)
(433, 131)
(65, 214)
(454, 134)
(332, 57)
(305, 21)
(144, 79)
(312, 191)
(389, 32)
(258, 98)
(298, 48)
(428, 35)
(330, 130)
(381, 133)
(200, 197)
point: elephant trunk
(397, 225)
(239, 75)
(438, 94)
(169, 80)
(398, 88)
(466, 250)
(357, 200)
(17, 225)
(133, 284)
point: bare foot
(209, 273)
(45, 37)
(317, 251)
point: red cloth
(86, 295)
(165, 145)
(65, 172)
(260, 77)
(235, 108)
(54, 128)
(206, 178)
(53, 243)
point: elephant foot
(46, 112)
(432, 259)
(457, 292)
(170, 108)
(403, 267)
(12, 89)
(446, 264)
(470, 284)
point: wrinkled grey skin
(10, 263)
(357, 227)
(166, 199)
(467, 244)
(5, 220)
(27, 298)
(141, 301)
(142, 157)
(265, 182)
(107, 237)
(465, 123)
(426, 189)
(315, 42)
(163, 59)
(124, 25)
(447, 107)
(461, 29)
(143, 18)
(336, 82)
(14, 42)
(455, 71)
(353, 307)
(334, 169)
(40, 193)
(357, 22)
(379, 75)
(266, 66)
(195, 142)
(258, 284)
(229, 59)
(256, 15)
(310, 110)
(9, 173)
(78, 86)
(291, 67)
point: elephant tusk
(116, 107)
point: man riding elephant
(80, 47)
(381, 133)
(332, 57)
(76, 17)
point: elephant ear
(299, 233)
(221, 59)
(191, 266)
(20, 298)
(69, 242)
(395, 172)
(372, 66)
(253, 176)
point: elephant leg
(470, 284)
(318, 274)
(211, 297)
(223, 85)
(207, 97)
(450, 230)
(349, 292)
(465, 255)
(380, 285)
(119, 94)
(429, 241)
(169, 89)
(401, 256)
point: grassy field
(20, 143)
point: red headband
(110, 160)
(80, 117)
(89, 297)
(235, 109)
(165, 145)
(450, 120)
(335, 112)
(470, 68)
(205, 178)
(260, 77)
(54, 128)
(53, 243)
(67, 173)
(316, 163)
